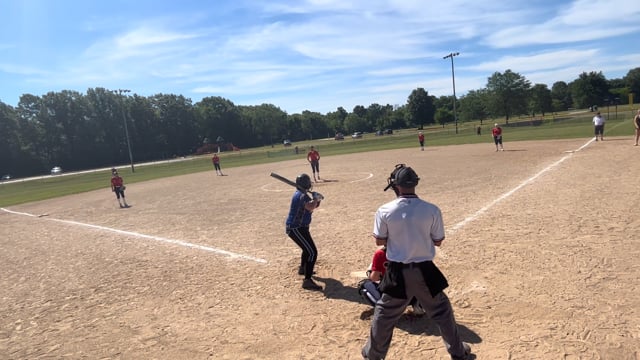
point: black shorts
(315, 166)
(599, 129)
(119, 192)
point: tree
(335, 120)
(219, 117)
(474, 105)
(378, 116)
(632, 81)
(420, 108)
(590, 89)
(540, 100)
(399, 118)
(178, 123)
(443, 116)
(560, 96)
(10, 145)
(354, 122)
(445, 102)
(508, 93)
(312, 125)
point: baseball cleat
(309, 284)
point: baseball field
(541, 256)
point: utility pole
(453, 77)
(126, 128)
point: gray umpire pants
(389, 309)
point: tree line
(82, 131)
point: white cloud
(321, 54)
(540, 61)
(581, 21)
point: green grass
(560, 126)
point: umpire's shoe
(309, 284)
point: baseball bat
(289, 182)
(286, 181)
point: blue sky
(312, 55)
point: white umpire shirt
(410, 225)
(598, 120)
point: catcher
(369, 288)
(117, 186)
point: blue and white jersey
(298, 215)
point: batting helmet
(403, 176)
(303, 182)
(114, 171)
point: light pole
(126, 129)
(453, 77)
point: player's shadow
(615, 139)
(416, 325)
(334, 289)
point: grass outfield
(560, 126)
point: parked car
(379, 133)
(57, 170)
(286, 142)
(339, 136)
(6, 177)
(356, 135)
(388, 131)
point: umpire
(410, 228)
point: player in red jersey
(117, 186)
(496, 132)
(313, 157)
(216, 164)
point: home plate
(359, 274)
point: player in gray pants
(410, 228)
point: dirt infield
(541, 254)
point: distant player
(636, 124)
(496, 132)
(216, 164)
(598, 126)
(117, 186)
(313, 157)
(421, 140)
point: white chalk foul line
(484, 209)
(150, 237)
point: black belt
(412, 265)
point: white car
(57, 170)
(356, 135)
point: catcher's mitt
(123, 188)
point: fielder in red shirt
(117, 186)
(216, 164)
(313, 157)
(496, 132)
